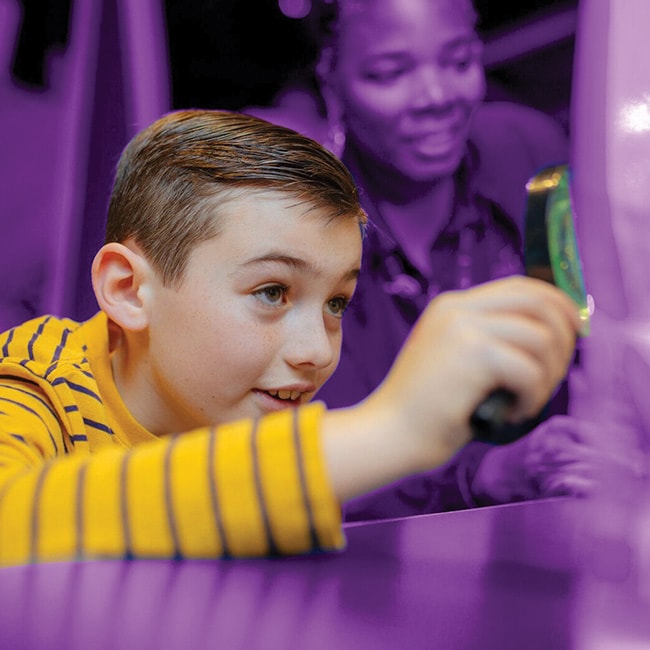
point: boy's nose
(310, 344)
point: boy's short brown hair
(170, 173)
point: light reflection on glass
(635, 116)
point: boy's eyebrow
(296, 263)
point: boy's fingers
(526, 295)
(515, 333)
(550, 346)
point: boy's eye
(337, 306)
(273, 294)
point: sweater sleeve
(249, 488)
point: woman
(404, 81)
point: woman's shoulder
(517, 129)
(513, 142)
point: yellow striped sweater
(81, 478)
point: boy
(175, 422)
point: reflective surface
(548, 574)
(611, 192)
(500, 577)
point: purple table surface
(500, 577)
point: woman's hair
(173, 175)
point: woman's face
(408, 75)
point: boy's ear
(122, 279)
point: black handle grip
(489, 418)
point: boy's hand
(517, 333)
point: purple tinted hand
(564, 456)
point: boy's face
(256, 324)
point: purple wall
(60, 141)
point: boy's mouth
(277, 398)
(285, 395)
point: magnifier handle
(490, 416)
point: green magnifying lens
(551, 247)
(550, 254)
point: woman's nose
(431, 88)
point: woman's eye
(465, 57)
(273, 294)
(463, 64)
(337, 306)
(384, 75)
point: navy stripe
(35, 337)
(19, 379)
(22, 406)
(29, 381)
(61, 345)
(79, 437)
(212, 480)
(55, 366)
(35, 511)
(52, 412)
(50, 370)
(76, 387)
(97, 425)
(124, 506)
(5, 347)
(38, 398)
(273, 549)
(53, 441)
(18, 437)
(169, 506)
(71, 409)
(38, 415)
(313, 536)
(79, 511)
(44, 403)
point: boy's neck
(128, 364)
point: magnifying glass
(550, 254)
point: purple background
(60, 141)
(71, 101)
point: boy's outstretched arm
(517, 333)
(71, 488)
